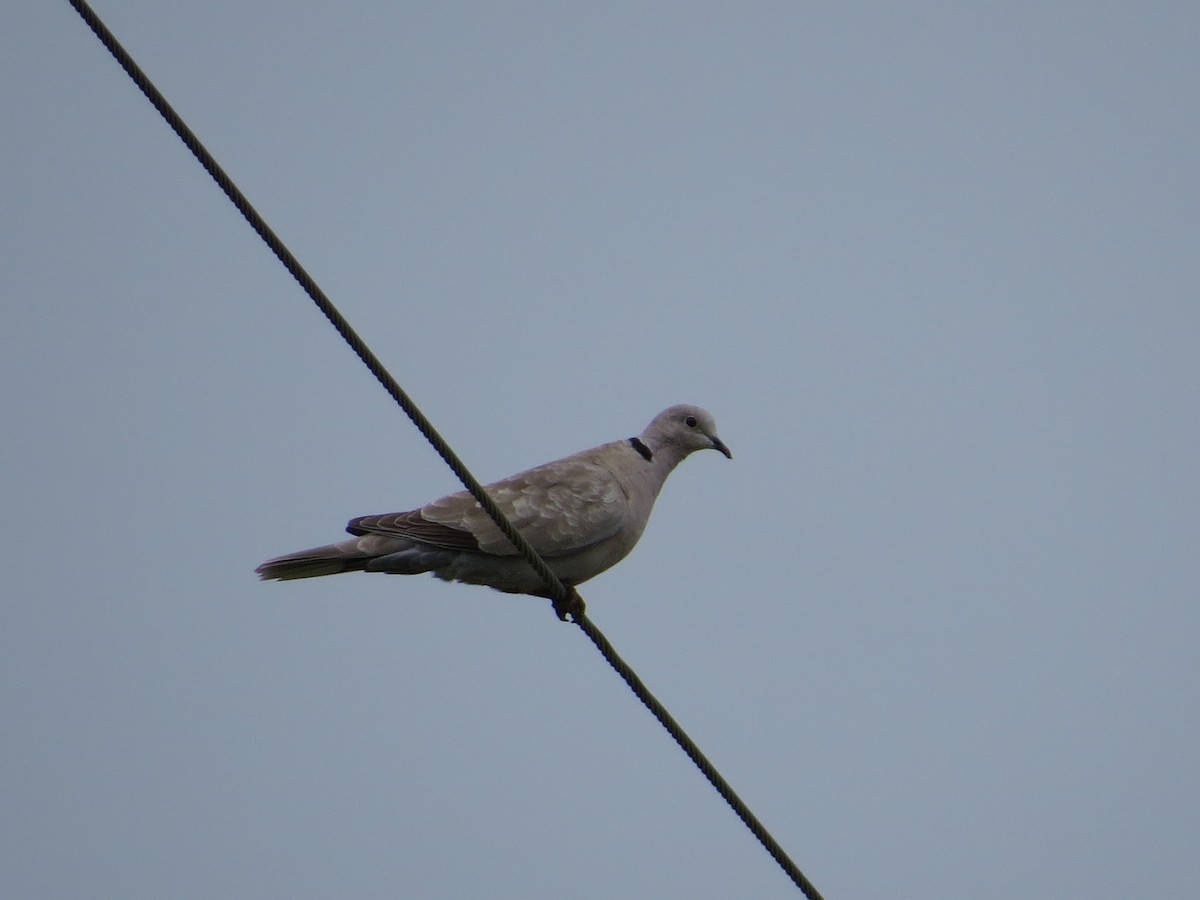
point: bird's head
(683, 429)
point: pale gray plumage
(582, 513)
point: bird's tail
(369, 552)
(331, 559)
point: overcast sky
(932, 266)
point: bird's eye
(690, 421)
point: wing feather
(560, 508)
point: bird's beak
(718, 444)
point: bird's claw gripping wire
(572, 605)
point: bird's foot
(572, 605)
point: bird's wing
(561, 508)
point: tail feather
(375, 553)
(329, 560)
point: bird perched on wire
(582, 514)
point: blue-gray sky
(932, 266)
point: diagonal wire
(558, 591)
(564, 597)
(707, 768)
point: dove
(583, 514)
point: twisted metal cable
(689, 747)
(565, 598)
